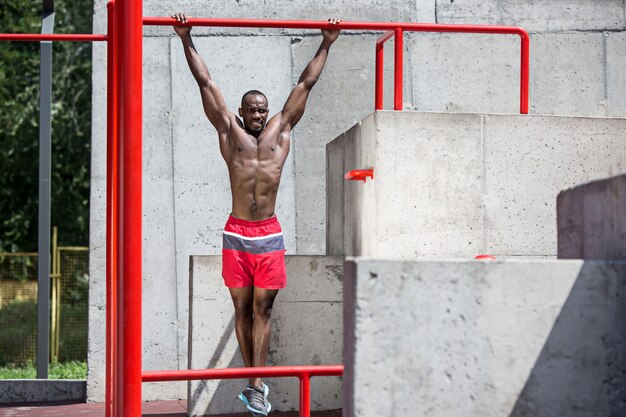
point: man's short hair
(255, 92)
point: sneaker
(255, 400)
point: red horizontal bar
(35, 37)
(323, 24)
(236, 373)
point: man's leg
(261, 328)
(243, 300)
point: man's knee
(243, 309)
(263, 308)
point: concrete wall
(591, 220)
(458, 185)
(14, 391)
(577, 61)
(306, 330)
(485, 339)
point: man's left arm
(296, 103)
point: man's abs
(254, 186)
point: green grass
(66, 370)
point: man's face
(254, 112)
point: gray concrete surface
(457, 185)
(577, 61)
(485, 339)
(535, 16)
(14, 391)
(591, 220)
(306, 330)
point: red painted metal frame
(303, 373)
(32, 37)
(359, 174)
(397, 27)
(129, 39)
(380, 59)
(124, 175)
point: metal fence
(69, 304)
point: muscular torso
(254, 167)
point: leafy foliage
(68, 370)
(19, 118)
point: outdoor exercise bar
(124, 175)
(303, 373)
(397, 28)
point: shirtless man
(255, 151)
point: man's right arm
(212, 99)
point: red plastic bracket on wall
(360, 174)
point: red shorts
(253, 254)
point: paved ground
(149, 409)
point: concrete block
(463, 184)
(513, 338)
(536, 16)
(528, 161)
(567, 74)
(616, 78)
(306, 329)
(335, 197)
(592, 220)
(14, 391)
(343, 96)
(442, 215)
(465, 72)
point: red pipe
(235, 373)
(359, 174)
(32, 37)
(525, 74)
(380, 65)
(112, 214)
(398, 66)
(128, 18)
(304, 374)
(344, 25)
(305, 394)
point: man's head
(254, 111)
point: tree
(19, 118)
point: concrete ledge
(41, 390)
(475, 339)
(458, 184)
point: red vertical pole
(398, 63)
(379, 81)
(305, 395)
(525, 74)
(111, 221)
(129, 26)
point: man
(255, 151)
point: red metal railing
(34, 37)
(397, 28)
(124, 168)
(303, 373)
